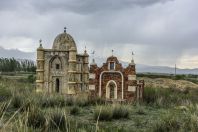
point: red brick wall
(130, 70)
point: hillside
(168, 83)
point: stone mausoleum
(113, 82)
(61, 69)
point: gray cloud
(161, 32)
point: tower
(86, 70)
(40, 68)
(72, 71)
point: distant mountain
(141, 68)
(8, 53)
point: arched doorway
(57, 88)
(111, 90)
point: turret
(86, 69)
(40, 68)
(72, 70)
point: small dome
(64, 41)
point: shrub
(120, 112)
(81, 102)
(168, 122)
(140, 110)
(70, 101)
(36, 119)
(75, 110)
(103, 113)
(17, 101)
(57, 121)
(52, 101)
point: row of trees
(13, 65)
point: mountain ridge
(141, 68)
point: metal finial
(132, 60)
(85, 49)
(40, 41)
(112, 52)
(132, 54)
(93, 60)
(65, 29)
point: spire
(112, 51)
(40, 43)
(85, 51)
(65, 29)
(132, 60)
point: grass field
(21, 109)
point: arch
(111, 90)
(57, 85)
(100, 82)
(56, 59)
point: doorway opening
(57, 85)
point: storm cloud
(160, 32)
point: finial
(85, 49)
(93, 60)
(132, 60)
(40, 42)
(65, 29)
(112, 52)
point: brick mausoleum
(113, 82)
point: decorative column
(40, 68)
(86, 70)
(72, 71)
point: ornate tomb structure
(113, 82)
(61, 69)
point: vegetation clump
(57, 121)
(36, 119)
(120, 112)
(75, 110)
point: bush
(57, 121)
(75, 110)
(52, 101)
(168, 122)
(81, 101)
(120, 112)
(70, 101)
(140, 110)
(17, 102)
(103, 113)
(36, 119)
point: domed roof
(112, 58)
(64, 41)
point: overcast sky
(160, 32)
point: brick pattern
(107, 76)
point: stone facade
(61, 69)
(113, 82)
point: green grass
(21, 109)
